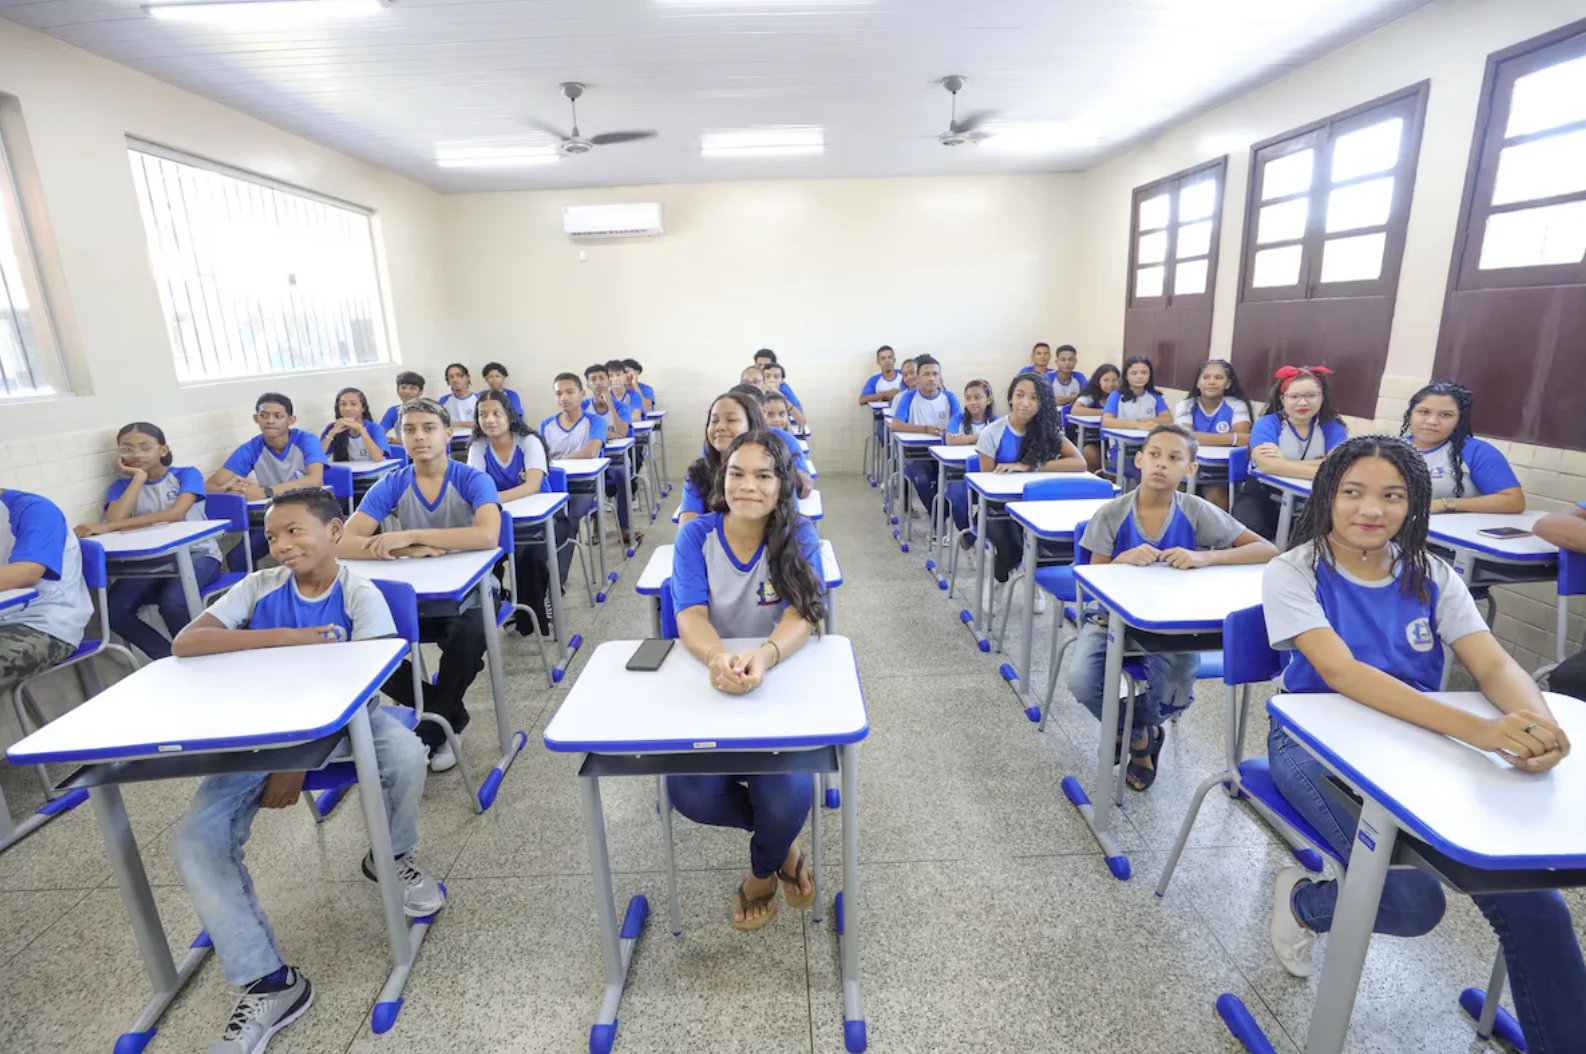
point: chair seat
(224, 581)
(1057, 580)
(340, 772)
(1211, 667)
(85, 649)
(1255, 776)
(504, 612)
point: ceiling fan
(576, 145)
(968, 129)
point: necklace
(1364, 553)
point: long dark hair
(1462, 428)
(1275, 397)
(1150, 381)
(1043, 436)
(967, 427)
(338, 443)
(152, 431)
(1093, 386)
(516, 425)
(703, 472)
(1235, 390)
(791, 575)
(1316, 521)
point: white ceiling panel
(392, 86)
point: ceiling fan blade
(609, 138)
(541, 126)
(971, 121)
(975, 137)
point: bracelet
(778, 649)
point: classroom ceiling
(395, 86)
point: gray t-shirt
(1213, 528)
(270, 599)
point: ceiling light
(778, 141)
(463, 155)
(1040, 138)
(262, 12)
(753, 5)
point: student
(309, 599)
(1029, 439)
(441, 506)
(573, 434)
(280, 458)
(1155, 524)
(1091, 403)
(409, 386)
(517, 461)
(801, 465)
(734, 412)
(776, 382)
(753, 375)
(751, 570)
(1438, 425)
(1217, 412)
(1067, 381)
(882, 387)
(152, 493)
(618, 415)
(1136, 403)
(354, 435)
(635, 372)
(1041, 361)
(38, 552)
(764, 357)
(459, 402)
(1567, 530)
(778, 414)
(928, 409)
(1363, 609)
(622, 391)
(1298, 429)
(980, 410)
(496, 377)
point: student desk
(1435, 804)
(875, 452)
(125, 550)
(538, 510)
(448, 580)
(1124, 442)
(804, 447)
(178, 718)
(659, 569)
(1481, 560)
(1212, 460)
(643, 433)
(910, 446)
(1050, 521)
(951, 464)
(622, 450)
(462, 434)
(1290, 491)
(809, 463)
(587, 476)
(808, 716)
(1082, 425)
(659, 417)
(1188, 608)
(366, 473)
(10, 598)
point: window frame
(1173, 185)
(44, 361)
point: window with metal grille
(30, 363)
(256, 277)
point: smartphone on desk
(1504, 532)
(648, 656)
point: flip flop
(750, 924)
(1140, 777)
(796, 899)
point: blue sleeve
(117, 488)
(810, 549)
(1265, 430)
(1489, 469)
(242, 459)
(1080, 377)
(477, 487)
(1113, 401)
(690, 584)
(787, 391)
(955, 421)
(1161, 405)
(900, 412)
(378, 435)
(517, 404)
(546, 424)
(693, 501)
(382, 497)
(624, 410)
(870, 386)
(40, 531)
(598, 428)
(313, 451)
(389, 421)
(1334, 433)
(190, 480)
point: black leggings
(1256, 508)
(1569, 677)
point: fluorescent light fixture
(760, 5)
(264, 12)
(521, 155)
(1040, 138)
(774, 141)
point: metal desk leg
(940, 515)
(616, 948)
(510, 742)
(184, 568)
(165, 977)
(663, 800)
(1019, 676)
(1101, 822)
(660, 433)
(655, 618)
(1123, 484)
(606, 576)
(831, 612)
(1285, 520)
(854, 1038)
(565, 648)
(627, 492)
(977, 620)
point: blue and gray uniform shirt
(268, 468)
(33, 530)
(1313, 447)
(943, 411)
(1141, 407)
(565, 442)
(1486, 470)
(270, 599)
(527, 453)
(1194, 523)
(159, 495)
(742, 601)
(1190, 414)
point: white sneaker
(1040, 601)
(444, 759)
(1294, 945)
(421, 894)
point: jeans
(1546, 970)
(1169, 679)
(210, 838)
(923, 475)
(614, 485)
(127, 595)
(771, 808)
(1569, 676)
(958, 500)
(461, 638)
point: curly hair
(516, 425)
(703, 472)
(1316, 521)
(1043, 436)
(1462, 430)
(1234, 391)
(338, 444)
(791, 575)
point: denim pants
(923, 475)
(771, 808)
(1169, 679)
(1545, 966)
(614, 486)
(958, 501)
(127, 595)
(210, 838)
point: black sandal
(749, 924)
(796, 898)
(1140, 777)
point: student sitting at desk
(280, 458)
(573, 434)
(496, 377)
(1040, 361)
(776, 384)
(1136, 403)
(38, 552)
(1091, 403)
(623, 392)
(928, 409)
(752, 570)
(618, 417)
(731, 415)
(801, 463)
(778, 413)
(151, 493)
(880, 389)
(1567, 530)
(1067, 382)
(1155, 524)
(354, 435)
(980, 409)
(753, 376)
(635, 372)
(459, 402)
(441, 506)
(309, 599)
(1365, 610)
(1468, 474)
(1299, 428)
(1217, 413)
(409, 386)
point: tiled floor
(990, 922)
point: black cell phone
(647, 657)
(1504, 532)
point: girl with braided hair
(1468, 474)
(1364, 610)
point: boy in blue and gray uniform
(409, 386)
(280, 458)
(618, 417)
(39, 552)
(927, 409)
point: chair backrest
(400, 453)
(403, 601)
(233, 508)
(94, 574)
(1571, 573)
(1081, 554)
(556, 480)
(1239, 464)
(1066, 488)
(1248, 658)
(339, 479)
(668, 612)
(507, 539)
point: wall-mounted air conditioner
(640, 220)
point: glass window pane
(1548, 98)
(1287, 175)
(1277, 267)
(1373, 149)
(1357, 259)
(1541, 168)
(1196, 201)
(1360, 205)
(1152, 249)
(1284, 222)
(1189, 278)
(1194, 239)
(1153, 212)
(1553, 234)
(1148, 281)
(26, 342)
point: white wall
(971, 270)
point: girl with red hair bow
(1292, 437)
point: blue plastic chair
(507, 608)
(1571, 583)
(1060, 488)
(1239, 465)
(233, 508)
(338, 480)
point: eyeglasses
(1302, 397)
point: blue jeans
(1544, 959)
(210, 837)
(614, 485)
(958, 500)
(771, 808)
(127, 595)
(1169, 679)
(923, 475)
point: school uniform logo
(1419, 634)
(767, 594)
(1437, 471)
(1222, 427)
